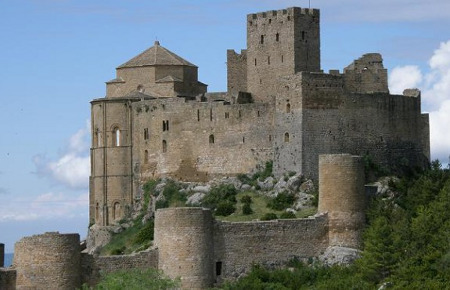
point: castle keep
(157, 120)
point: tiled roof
(156, 55)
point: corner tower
(280, 43)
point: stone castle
(157, 120)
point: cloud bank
(72, 168)
(435, 86)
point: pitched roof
(156, 55)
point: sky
(55, 56)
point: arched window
(277, 37)
(116, 136)
(146, 156)
(211, 139)
(288, 108)
(164, 146)
(116, 211)
(286, 137)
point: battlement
(284, 13)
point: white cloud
(72, 169)
(46, 206)
(404, 77)
(435, 86)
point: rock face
(98, 237)
(339, 256)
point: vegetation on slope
(406, 244)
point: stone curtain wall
(48, 261)
(92, 267)
(239, 245)
(7, 279)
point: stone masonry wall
(93, 266)
(239, 245)
(48, 261)
(236, 71)
(199, 140)
(7, 279)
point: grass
(125, 241)
(259, 207)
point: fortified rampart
(190, 244)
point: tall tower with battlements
(280, 43)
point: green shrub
(246, 199)
(145, 235)
(218, 194)
(282, 201)
(269, 216)
(225, 208)
(118, 251)
(247, 209)
(288, 215)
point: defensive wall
(190, 244)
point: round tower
(341, 194)
(185, 243)
(48, 261)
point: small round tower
(342, 195)
(185, 243)
(48, 261)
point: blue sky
(57, 54)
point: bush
(218, 194)
(246, 199)
(225, 208)
(269, 216)
(288, 215)
(282, 201)
(145, 235)
(247, 209)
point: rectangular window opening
(218, 268)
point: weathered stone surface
(196, 198)
(339, 255)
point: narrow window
(303, 35)
(198, 115)
(95, 141)
(218, 268)
(286, 137)
(166, 125)
(288, 108)
(164, 146)
(260, 81)
(243, 139)
(116, 211)
(96, 212)
(146, 134)
(277, 37)
(210, 115)
(289, 18)
(270, 138)
(268, 60)
(282, 58)
(258, 114)
(270, 21)
(262, 39)
(146, 156)
(211, 139)
(240, 113)
(227, 115)
(255, 61)
(116, 137)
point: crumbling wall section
(236, 71)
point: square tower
(280, 43)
